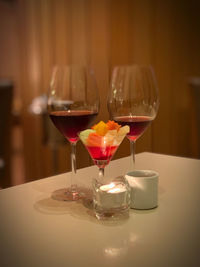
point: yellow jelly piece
(101, 128)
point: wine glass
(133, 100)
(73, 103)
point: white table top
(38, 231)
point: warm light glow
(107, 187)
(134, 183)
(133, 237)
(130, 241)
(138, 185)
(113, 188)
(113, 252)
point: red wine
(137, 124)
(70, 123)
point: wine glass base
(65, 194)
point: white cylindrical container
(144, 189)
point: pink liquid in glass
(101, 153)
(137, 124)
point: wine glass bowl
(133, 99)
(73, 103)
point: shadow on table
(147, 211)
(81, 209)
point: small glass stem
(132, 156)
(101, 172)
(73, 166)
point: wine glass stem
(132, 156)
(101, 172)
(73, 165)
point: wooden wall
(165, 34)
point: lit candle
(113, 188)
(111, 198)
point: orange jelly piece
(101, 128)
(113, 125)
(94, 139)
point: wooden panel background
(104, 33)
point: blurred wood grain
(103, 34)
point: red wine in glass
(137, 124)
(71, 122)
(73, 102)
(133, 100)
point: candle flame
(114, 190)
(107, 187)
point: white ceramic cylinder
(144, 188)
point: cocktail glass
(102, 148)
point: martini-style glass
(103, 146)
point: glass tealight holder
(111, 198)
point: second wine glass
(133, 100)
(73, 103)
